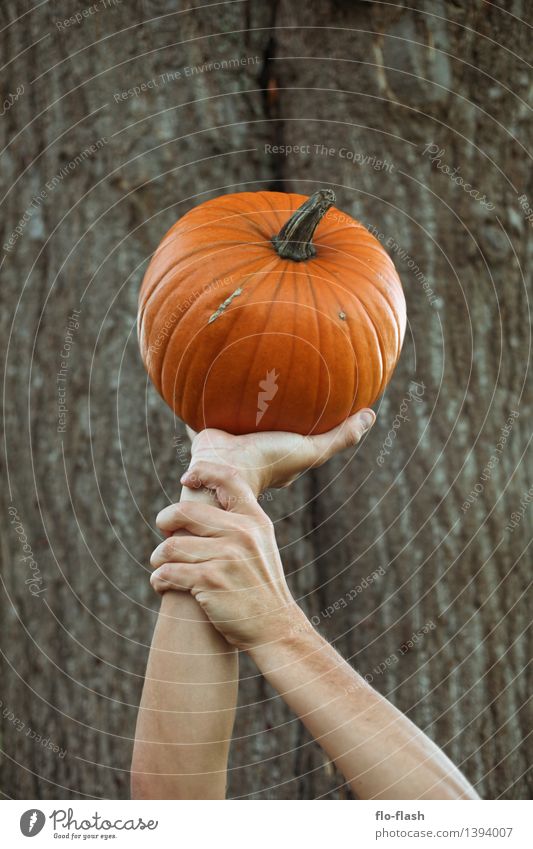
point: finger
(179, 577)
(202, 520)
(233, 493)
(345, 435)
(185, 549)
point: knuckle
(241, 529)
(246, 538)
(230, 553)
(167, 549)
(352, 437)
(163, 573)
(164, 515)
(169, 516)
(160, 579)
(207, 468)
(208, 577)
(196, 471)
(155, 557)
(154, 583)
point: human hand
(273, 458)
(229, 561)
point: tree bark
(384, 103)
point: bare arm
(380, 752)
(238, 580)
(188, 703)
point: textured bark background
(372, 83)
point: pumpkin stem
(294, 239)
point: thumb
(345, 435)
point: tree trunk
(411, 555)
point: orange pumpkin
(270, 311)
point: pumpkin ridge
(192, 266)
(359, 228)
(249, 212)
(330, 293)
(182, 315)
(386, 267)
(291, 337)
(277, 213)
(229, 329)
(259, 336)
(186, 227)
(200, 247)
(338, 308)
(230, 222)
(221, 225)
(161, 281)
(388, 304)
(351, 293)
(381, 346)
(317, 312)
(251, 197)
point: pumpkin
(270, 311)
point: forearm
(379, 751)
(187, 708)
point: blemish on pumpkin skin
(225, 304)
(342, 315)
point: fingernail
(367, 419)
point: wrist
(289, 638)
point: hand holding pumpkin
(228, 560)
(272, 458)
